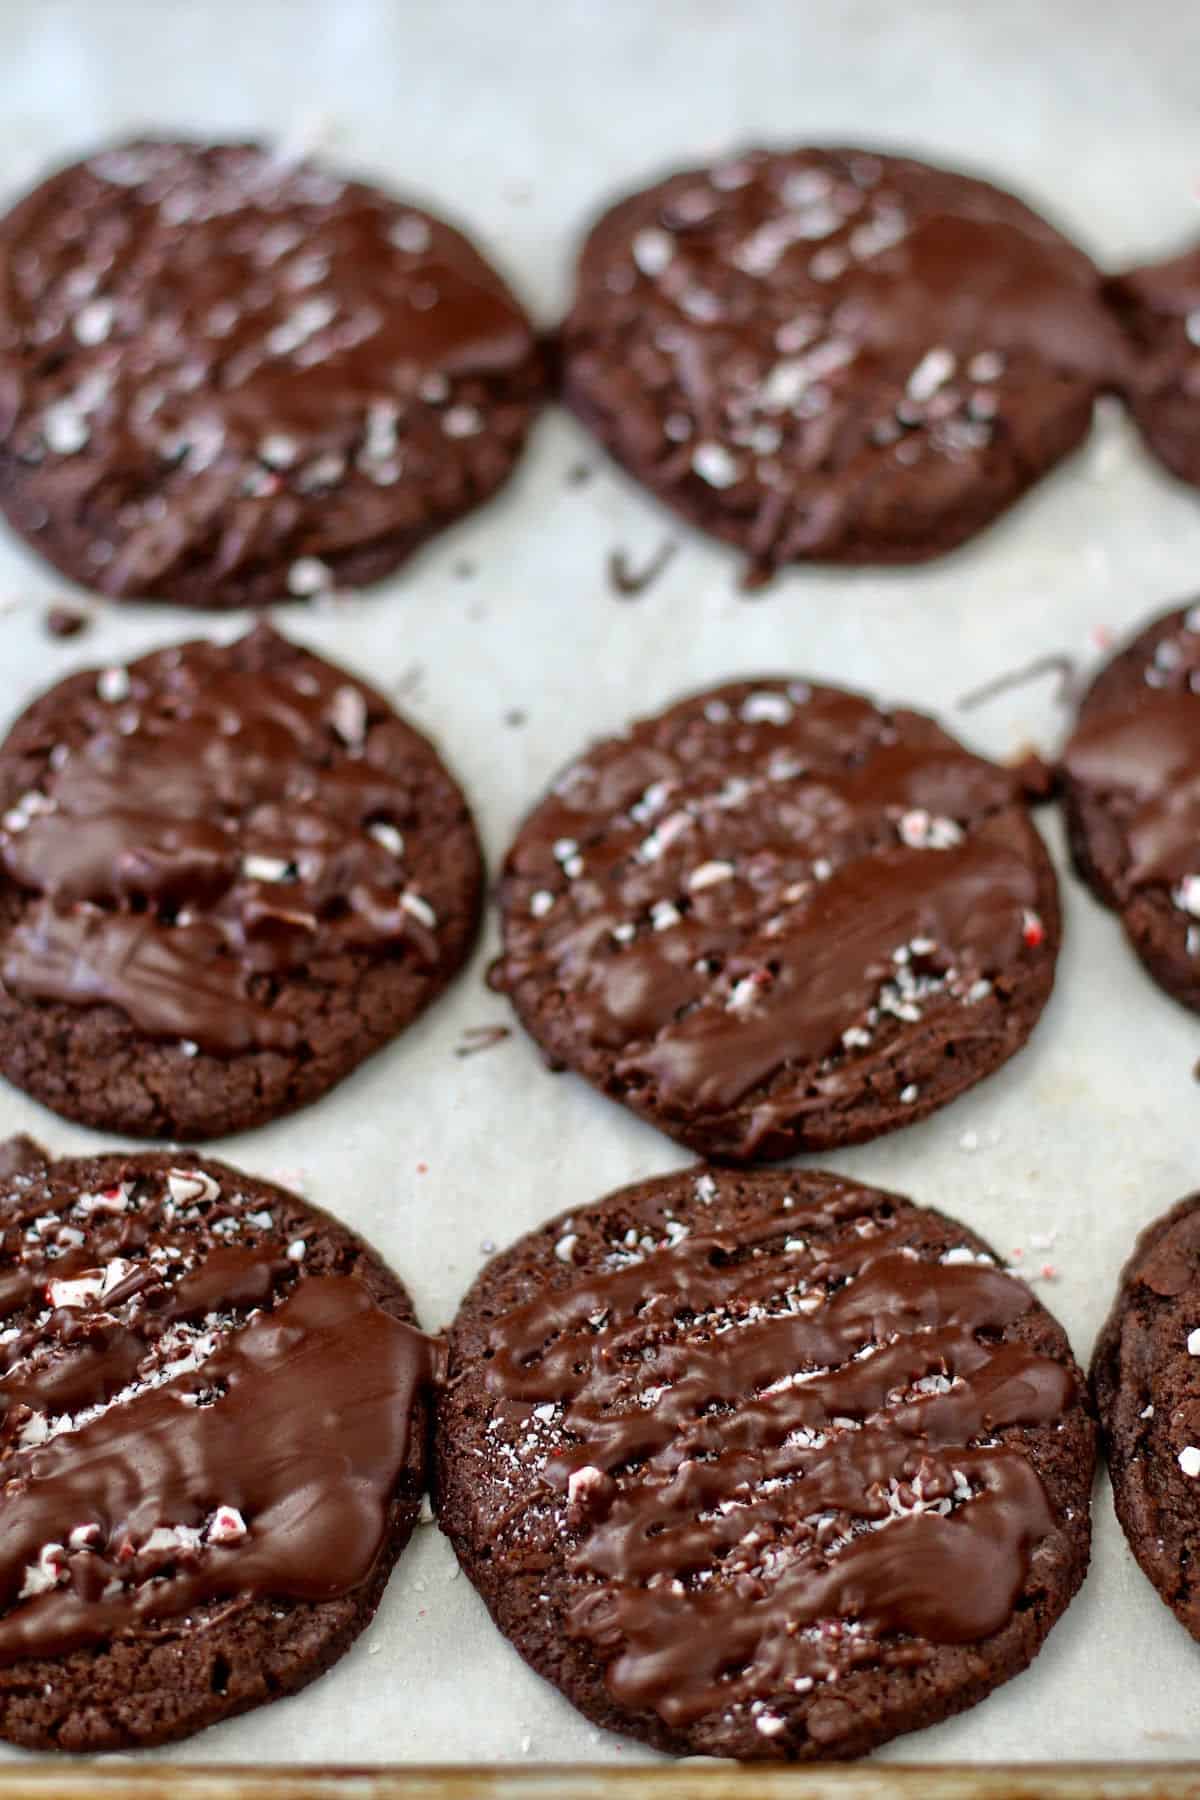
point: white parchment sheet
(520, 118)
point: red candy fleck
(1032, 930)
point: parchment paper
(521, 118)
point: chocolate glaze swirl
(759, 1435)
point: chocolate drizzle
(196, 1416)
(746, 905)
(214, 823)
(782, 1446)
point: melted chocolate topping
(749, 900)
(227, 332)
(780, 1451)
(1137, 754)
(186, 1414)
(213, 822)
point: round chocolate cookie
(832, 354)
(778, 918)
(227, 377)
(1131, 785)
(1146, 1380)
(213, 1421)
(1159, 307)
(227, 875)
(765, 1464)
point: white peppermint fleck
(265, 868)
(652, 250)
(1189, 1461)
(541, 903)
(714, 464)
(564, 1249)
(1193, 1343)
(932, 372)
(296, 1250)
(462, 421)
(387, 835)
(664, 914)
(64, 428)
(348, 716)
(420, 910)
(1187, 895)
(112, 686)
(94, 322)
(278, 450)
(709, 874)
(765, 708)
(908, 1094)
(309, 575)
(410, 233)
(987, 365)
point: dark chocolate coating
(228, 378)
(1131, 788)
(764, 1464)
(778, 918)
(227, 875)
(1158, 306)
(213, 1414)
(833, 354)
(1146, 1381)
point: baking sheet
(520, 119)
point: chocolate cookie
(764, 1464)
(228, 875)
(1159, 307)
(227, 377)
(1131, 785)
(832, 354)
(1146, 1380)
(213, 1418)
(777, 918)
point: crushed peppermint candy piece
(766, 708)
(1189, 1461)
(309, 575)
(388, 836)
(227, 1526)
(541, 903)
(709, 874)
(348, 716)
(564, 1249)
(83, 1537)
(420, 910)
(186, 1186)
(265, 868)
(78, 1291)
(1187, 895)
(112, 686)
(715, 464)
(922, 830)
(1193, 1342)
(1033, 932)
(932, 372)
(652, 250)
(297, 1250)
(909, 1094)
(46, 1573)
